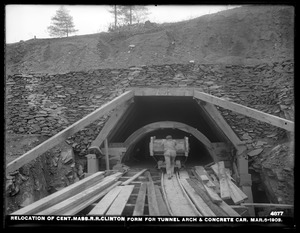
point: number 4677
(276, 213)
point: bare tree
(133, 13)
(62, 23)
(116, 11)
(141, 13)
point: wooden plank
(215, 168)
(224, 188)
(228, 209)
(216, 182)
(152, 202)
(205, 179)
(198, 201)
(204, 176)
(235, 171)
(184, 174)
(112, 121)
(236, 194)
(63, 135)
(60, 195)
(148, 175)
(66, 205)
(90, 201)
(223, 125)
(239, 207)
(72, 202)
(134, 177)
(267, 205)
(103, 205)
(201, 192)
(118, 205)
(248, 191)
(238, 190)
(163, 210)
(165, 91)
(106, 154)
(140, 201)
(212, 194)
(250, 112)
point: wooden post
(106, 154)
(92, 163)
(109, 125)
(245, 183)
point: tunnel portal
(183, 109)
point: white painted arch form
(138, 134)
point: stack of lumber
(229, 190)
(220, 182)
(114, 202)
(75, 197)
(205, 197)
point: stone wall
(46, 104)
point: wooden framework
(134, 137)
(114, 118)
(128, 95)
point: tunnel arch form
(138, 134)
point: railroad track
(151, 194)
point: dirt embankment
(52, 171)
(243, 35)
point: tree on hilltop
(62, 23)
(128, 14)
(116, 11)
(134, 13)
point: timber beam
(163, 91)
(109, 125)
(135, 136)
(222, 124)
(250, 112)
(63, 135)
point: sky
(23, 22)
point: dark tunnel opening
(185, 110)
(139, 154)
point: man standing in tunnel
(170, 155)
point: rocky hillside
(245, 35)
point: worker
(170, 154)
